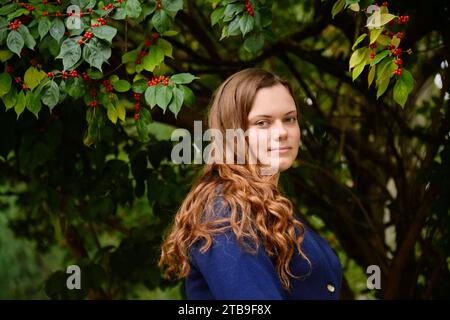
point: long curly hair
(260, 214)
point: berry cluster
(27, 6)
(93, 93)
(399, 62)
(108, 86)
(14, 25)
(403, 19)
(385, 4)
(108, 7)
(85, 76)
(249, 7)
(155, 80)
(137, 105)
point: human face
(273, 127)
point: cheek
(257, 138)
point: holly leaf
(150, 96)
(51, 96)
(105, 32)
(121, 85)
(177, 101)
(33, 77)
(70, 53)
(5, 84)
(57, 29)
(182, 78)
(133, 8)
(163, 96)
(15, 42)
(44, 27)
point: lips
(280, 149)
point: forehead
(273, 101)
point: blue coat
(227, 271)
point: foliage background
(93, 186)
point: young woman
(235, 235)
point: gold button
(330, 287)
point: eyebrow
(267, 116)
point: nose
(279, 131)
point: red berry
(137, 96)
(372, 55)
(400, 35)
(385, 4)
(50, 74)
(136, 117)
(148, 43)
(9, 68)
(155, 36)
(138, 61)
(74, 73)
(93, 103)
(137, 106)
(80, 41)
(399, 62)
(58, 14)
(85, 76)
(44, 1)
(373, 45)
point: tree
(85, 158)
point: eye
(262, 123)
(292, 119)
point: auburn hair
(260, 214)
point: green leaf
(233, 27)
(10, 98)
(358, 69)
(20, 103)
(360, 38)
(133, 8)
(177, 101)
(44, 27)
(111, 113)
(93, 56)
(51, 96)
(358, 56)
(408, 79)
(172, 5)
(382, 86)
(182, 78)
(166, 46)
(400, 92)
(161, 21)
(5, 55)
(5, 84)
(379, 57)
(337, 7)
(33, 77)
(57, 29)
(7, 9)
(246, 24)
(27, 37)
(142, 125)
(163, 96)
(121, 112)
(254, 43)
(153, 58)
(105, 32)
(121, 86)
(371, 75)
(374, 34)
(129, 56)
(15, 42)
(189, 97)
(34, 103)
(150, 96)
(231, 10)
(70, 53)
(217, 15)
